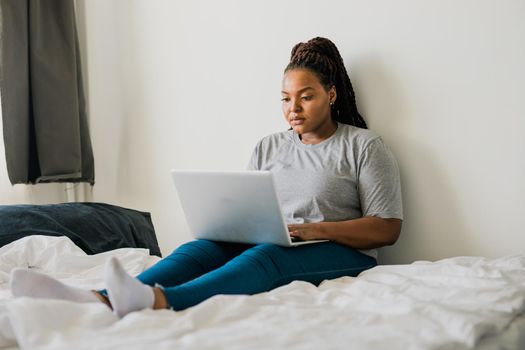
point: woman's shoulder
(358, 136)
(275, 139)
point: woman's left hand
(306, 232)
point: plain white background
(195, 84)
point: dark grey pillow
(94, 227)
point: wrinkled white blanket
(448, 304)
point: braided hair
(321, 57)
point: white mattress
(459, 303)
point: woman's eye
(285, 99)
(306, 98)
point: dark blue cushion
(94, 227)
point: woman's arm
(364, 233)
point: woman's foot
(126, 293)
(29, 283)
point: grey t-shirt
(347, 176)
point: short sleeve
(253, 164)
(379, 183)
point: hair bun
(319, 45)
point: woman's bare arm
(364, 233)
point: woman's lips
(297, 121)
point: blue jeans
(201, 269)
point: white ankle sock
(28, 283)
(126, 293)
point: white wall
(194, 84)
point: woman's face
(306, 103)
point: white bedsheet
(449, 304)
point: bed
(456, 303)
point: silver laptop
(237, 206)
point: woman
(336, 180)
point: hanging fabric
(45, 127)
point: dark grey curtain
(45, 127)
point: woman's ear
(332, 94)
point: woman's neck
(320, 135)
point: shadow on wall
(380, 97)
(432, 223)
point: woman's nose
(295, 106)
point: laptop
(239, 206)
